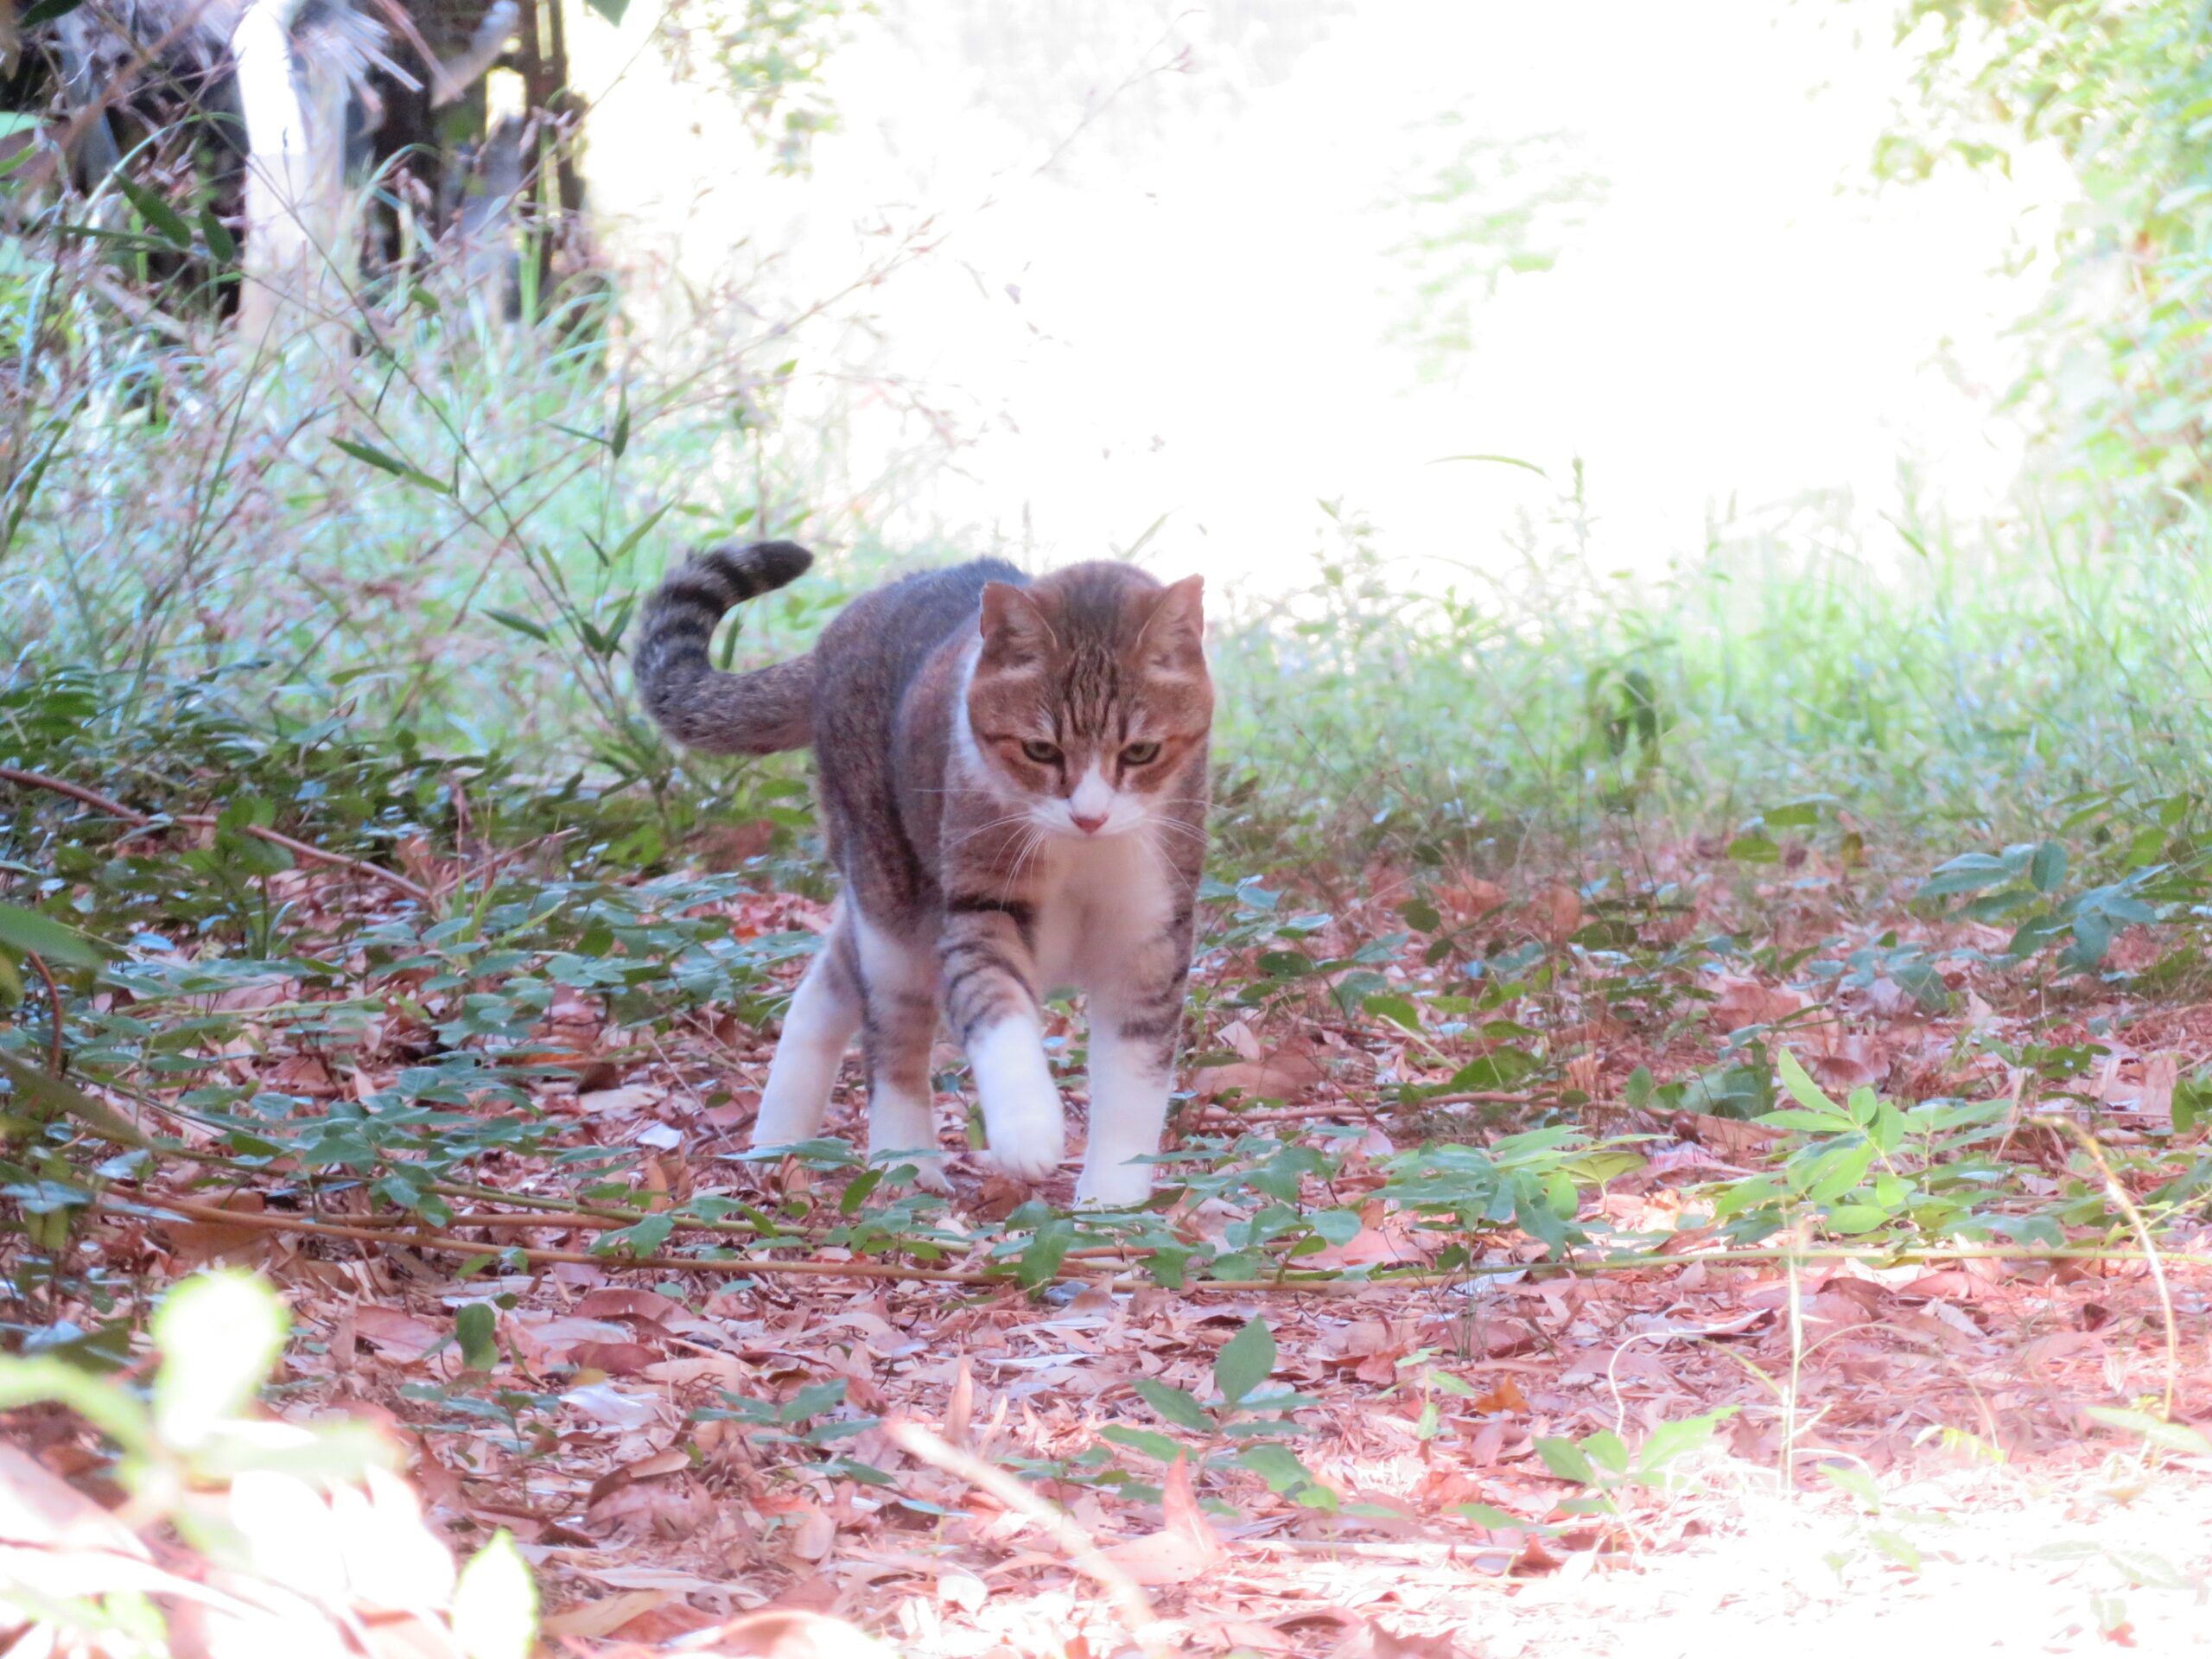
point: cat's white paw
(1123, 1186)
(784, 1126)
(928, 1169)
(1029, 1139)
(1022, 1116)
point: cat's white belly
(1110, 897)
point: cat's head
(1091, 701)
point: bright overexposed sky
(1171, 272)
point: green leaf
(221, 247)
(58, 1097)
(2172, 1437)
(1398, 1010)
(640, 1238)
(1490, 1516)
(1178, 1408)
(1421, 915)
(1755, 850)
(521, 625)
(1567, 1460)
(1673, 1440)
(1047, 1249)
(45, 12)
(610, 10)
(34, 935)
(1154, 1445)
(166, 221)
(1806, 1093)
(1244, 1361)
(2047, 869)
(475, 1328)
(398, 468)
(1277, 1464)
(1968, 873)
(1852, 1219)
(495, 1604)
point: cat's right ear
(1016, 634)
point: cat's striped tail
(698, 704)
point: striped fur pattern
(698, 704)
(1013, 778)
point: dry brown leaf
(591, 1620)
(1470, 901)
(1555, 912)
(1746, 1002)
(1506, 1396)
(612, 1358)
(396, 1332)
(1848, 1062)
(199, 1243)
(1178, 1506)
(788, 1633)
(1288, 1074)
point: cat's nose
(1088, 826)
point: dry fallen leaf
(1287, 1074)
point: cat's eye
(1044, 754)
(1141, 754)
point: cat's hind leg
(825, 1011)
(899, 984)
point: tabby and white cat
(1012, 776)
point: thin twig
(265, 1220)
(114, 808)
(1417, 1278)
(1216, 1114)
(318, 855)
(1135, 1608)
(54, 1055)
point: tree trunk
(298, 240)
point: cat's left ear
(1173, 639)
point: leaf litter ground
(1688, 1258)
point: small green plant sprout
(1249, 1420)
(1604, 1467)
(1843, 1174)
(2025, 885)
(253, 1497)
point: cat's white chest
(1106, 898)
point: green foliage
(1605, 1466)
(193, 1433)
(2124, 91)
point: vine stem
(312, 853)
(186, 1209)
(54, 1056)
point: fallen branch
(54, 1055)
(1130, 1602)
(115, 809)
(1285, 1284)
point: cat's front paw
(929, 1171)
(1123, 1186)
(1028, 1137)
(1022, 1108)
